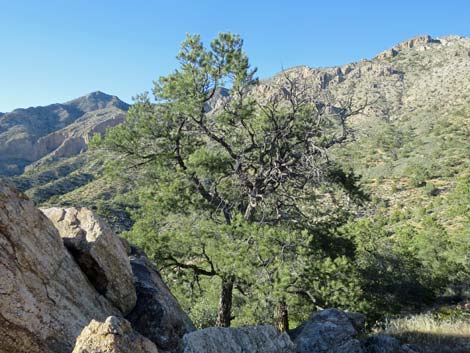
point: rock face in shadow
(386, 344)
(115, 335)
(250, 339)
(45, 299)
(99, 252)
(157, 314)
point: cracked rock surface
(99, 252)
(45, 299)
(248, 339)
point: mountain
(410, 151)
(421, 73)
(413, 137)
(413, 132)
(33, 136)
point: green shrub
(431, 190)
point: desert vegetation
(262, 201)
(249, 203)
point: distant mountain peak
(95, 96)
(28, 136)
(97, 100)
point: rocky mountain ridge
(46, 134)
(417, 74)
(417, 84)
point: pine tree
(228, 179)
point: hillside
(44, 149)
(413, 133)
(35, 136)
(408, 245)
(53, 301)
(416, 122)
(410, 147)
(417, 118)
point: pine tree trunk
(282, 317)
(224, 316)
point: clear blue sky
(56, 50)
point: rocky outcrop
(328, 331)
(46, 300)
(115, 335)
(74, 138)
(250, 339)
(387, 54)
(99, 252)
(157, 314)
(415, 42)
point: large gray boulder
(328, 331)
(157, 314)
(385, 344)
(45, 299)
(335, 331)
(115, 335)
(99, 252)
(250, 339)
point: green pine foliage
(262, 196)
(241, 197)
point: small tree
(218, 157)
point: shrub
(431, 189)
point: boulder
(329, 330)
(99, 252)
(46, 300)
(250, 339)
(385, 344)
(157, 314)
(115, 335)
(358, 320)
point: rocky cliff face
(54, 131)
(418, 74)
(45, 299)
(60, 272)
(99, 253)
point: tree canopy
(237, 185)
